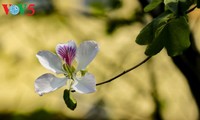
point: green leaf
(157, 45)
(69, 100)
(165, 31)
(148, 33)
(153, 4)
(172, 5)
(176, 36)
(178, 6)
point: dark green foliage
(152, 5)
(157, 44)
(146, 35)
(178, 7)
(149, 35)
(69, 100)
(176, 36)
(169, 30)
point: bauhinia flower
(75, 78)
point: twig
(124, 72)
(190, 10)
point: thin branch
(190, 10)
(124, 72)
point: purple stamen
(67, 53)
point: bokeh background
(135, 95)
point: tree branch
(124, 72)
(190, 10)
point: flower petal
(85, 84)
(86, 53)
(50, 61)
(67, 51)
(47, 83)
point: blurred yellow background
(128, 97)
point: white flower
(84, 54)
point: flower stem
(124, 72)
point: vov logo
(22, 9)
